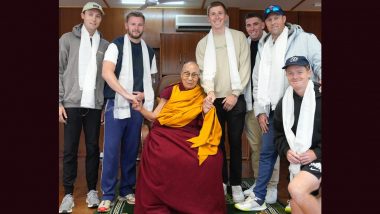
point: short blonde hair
(216, 4)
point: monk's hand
(207, 105)
(137, 106)
(263, 122)
(307, 157)
(293, 157)
(229, 102)
(211, 96)
(139, 95)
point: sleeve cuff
(259, 110)
(236, 93)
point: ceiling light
(140, 2)
(133, 1)
(173, 3)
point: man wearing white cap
(81, 53)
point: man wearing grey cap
(81, 53)
(269, 84)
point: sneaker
(251, 204)
(288, 209)
(225, 189)
(67, 204)
(104, 206)
(130, 198)
(271, 196)
(247, 192)
(92, 199)
(237, 194)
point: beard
(130, 33)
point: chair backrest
(166, 81)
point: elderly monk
(181, 164)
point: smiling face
(275, 24)
(91, 20)
(135, 27)
(190, 75)
(254, 27)
(217, 16)
(298, 77)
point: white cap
(92, 5)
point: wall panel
(311, 22)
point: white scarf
(87, 67)
(209, 63)
(248, 91)
(302, 142)
(272, 81)
(122, 108)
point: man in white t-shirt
(127, 68)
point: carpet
(122, 207)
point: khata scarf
(302, 142)
(87, 67)
(209, 64)
(122, 108)
(272, 80)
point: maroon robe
(170, 179)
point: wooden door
(189, 45)
(170, 53)
(176, 49)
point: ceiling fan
(149, 3)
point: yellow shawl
(185, 106)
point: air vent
(192, 23)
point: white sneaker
(92, 199)
(237, 194)
(67, 204)
(104, 206)
(247, 192)
(225, 189)
(271, 196)
(130, 198)
(251, 204)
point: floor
(81, 190)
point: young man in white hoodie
(254, 26)
(81, 100)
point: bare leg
(300, 188)
(295, 208)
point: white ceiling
(287, 5)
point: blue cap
(273, 9)
(296, 60)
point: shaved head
(190, 74)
